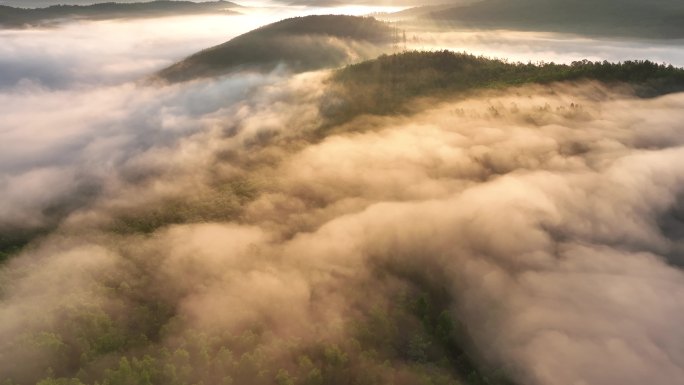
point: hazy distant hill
(302, 43)
(47, 3)
(633, 18)
(18, 17)
(421, 11)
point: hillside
(663, 19)
(421, 11)
(302, 43)
(381, 86)
(23, 17)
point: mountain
(301, 43)
(384, 85)
(22, 17)
(421, 11)
(659, 19)
(47, 3)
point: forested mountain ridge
(301, 43)
(383, 85)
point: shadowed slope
(303, 43)
(657, 19)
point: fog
(547, 47)
(112, 52)
(550, 216)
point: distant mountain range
(26, 17)
(301, 43)
(48, 3)
(659, 19)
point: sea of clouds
(551, 214)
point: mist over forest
(352, 193)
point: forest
(384, 85)
(410, 340)
(300, 44)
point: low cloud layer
(543, 209)
(96, 53)
(218, 214)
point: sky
(550, 214)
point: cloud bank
(211, 232)
(549, 216)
